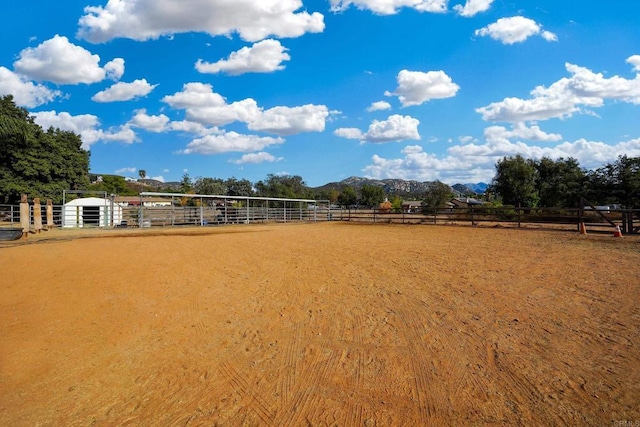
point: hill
(406, 189)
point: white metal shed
(91, 212)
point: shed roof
(88, 201)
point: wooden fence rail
(627, 219)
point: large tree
(515, 181)
(214, 186)
(36, 162)
(347, 197)
(239, 187)
(437, 195)
(560, 183)
(371, 195)
(285, 186)
(617, 182)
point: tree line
(40, 163)
(563, 183)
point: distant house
(147, 202)
(412, 206)
(465, 202)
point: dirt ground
(320, 324)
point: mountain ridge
(401, 187)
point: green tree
(347, 197)
(437, 195)
(38, 163)
(371, 195)
(559, 183)
(515, 181)
(213, 186)
(239, 187)
(617, 182)
(186, 185)
(396, 203)
(142, 173)
(327, 194)
(287, 187)
(113, 184)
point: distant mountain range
(402, 188)
(406, 189)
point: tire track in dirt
(426, 389)
(523, 395)
(442, 336)
(353, 412)
(290, 366)
(306, 396)
(257, 403)
(196, 315)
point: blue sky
(327, 89)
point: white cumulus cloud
(291, 120)
(395, 128)
(229, 142)
(379, 106)
(472, 7)
(85, 125)
(204, 106)
(515, 29)
(256, 158)
(390, 7)
(348, 133)
(263, 57)
(520, 131)
(25, 93)
(123, 171)
(475, 162)
(416, 164)
(590, 154)
(59, 61)
(122, 91)
(150, 19)
(567, 96)
(144, 121)
(635, 61)
(417, 87)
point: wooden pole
(49, 214)
(25, 222)
(37, 215)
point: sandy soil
(320, 324)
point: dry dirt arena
(320, 324)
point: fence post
(627, 224)
(25, 218)
(37, 215)
(49, 214)
(580, 212)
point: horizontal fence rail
(627, 219)
(117, 216)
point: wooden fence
(552, 218)
(596, 220)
